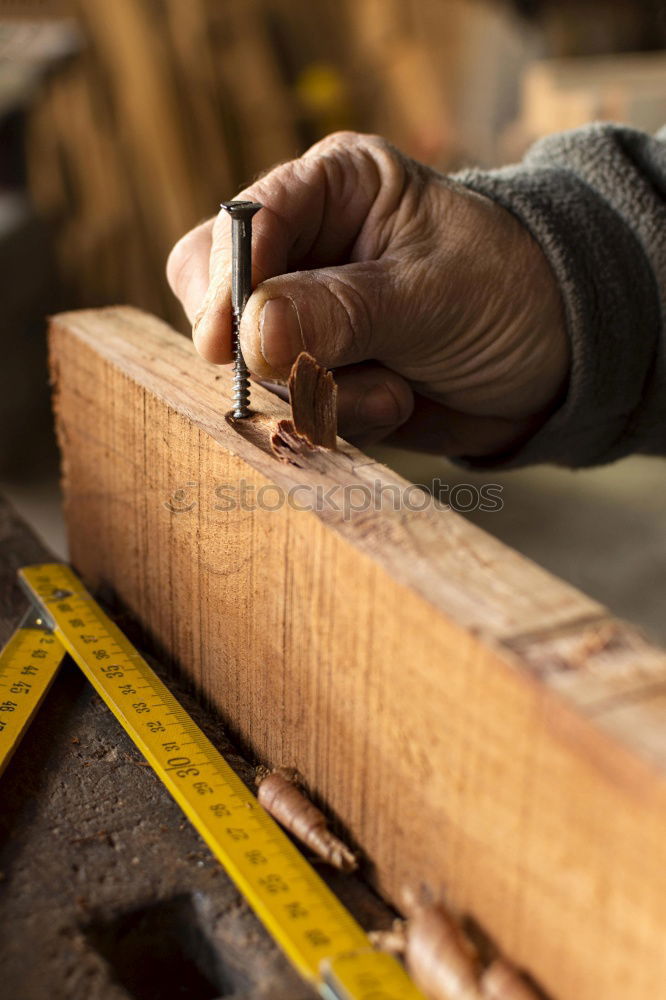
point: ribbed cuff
(611, 305)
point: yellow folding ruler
(305, 918)
(28, 664)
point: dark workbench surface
(106, 891)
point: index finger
(314, 210)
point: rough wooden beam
(477, 725)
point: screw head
(241, 209)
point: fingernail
(378, 407)
(280, 333)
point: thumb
(339, 314)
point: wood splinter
(314, 415)
(280, 792)
(393, 941)
(442, 960)
(501, 981)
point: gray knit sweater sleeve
(595, 200)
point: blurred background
(125, 122)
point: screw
(241, 213)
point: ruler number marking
(287, 894)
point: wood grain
(477, 726)
(313, 398)
(99, 865)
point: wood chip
(313, 395)
(281, 794)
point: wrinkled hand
(406, 283)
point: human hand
(437, 309)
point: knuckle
(350, 139)
(274, 179)
(343, 137)
(353, 144)
(249, 191)
(378, 143)
(389, 163)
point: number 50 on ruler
(305, 918)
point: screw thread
(241, 395)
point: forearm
(595, 201)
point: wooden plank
(478, 726)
